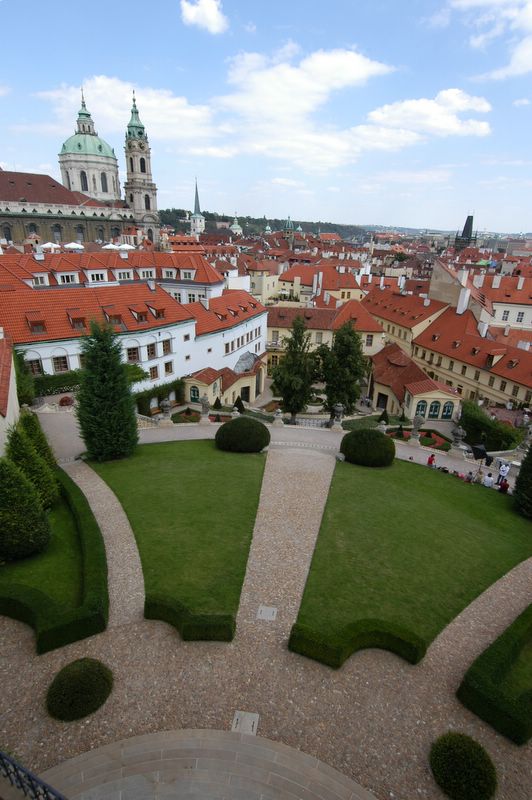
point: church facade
(88, 206)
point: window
(133, 355)
(187, 358)
(83, 180)
(520, 316)
(168, 367)
(124, 276)
(151, 350)
(451, 365)
(142, 316)
(515, 390)
(143, 165)
(187, 276)
(100, 233)
(227, 346)
(103, 178)
(319, 337)
(56, 233)
(421, 408)
(448, 409)
(146, 273)
(186, 337)
(60, 363)
(194, 394)
(434, 409)
(78, 323)
(68, 279)
(191, 297)
(97, 277)
(37, 327)
(35, 366)
(464, 370)
(459, 389)
(274, 361)
(343, 296)
(132, 169)
(154, 373)
(167, 347)
(39, 280)
(168, 273)
(369, 339)
(503, 386)
(491, 380)
(80, 234)
(232, 345)
(528, 397)
(32, 228)
(477, 374)
(438, 362)
(147, 204)
(505, 315)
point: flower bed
(427, 437)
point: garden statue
(458, 436)
(417, 422)
(278, 418)
(205, 405)
(165, 406)
(338, 410)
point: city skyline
(380, 114)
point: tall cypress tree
(20, 450)
(523, 486)
(24, 526)
(30, 424)
(106, 409)
(296, 371)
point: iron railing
(28, 783)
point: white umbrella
(126, 246)
(110, 246)
(50, 246)
(74, 246)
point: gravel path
(373, 720)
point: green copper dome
(87, 144)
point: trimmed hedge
(368, 447)
(79, 689)
(482, 689)
(334, 650)
(31, 425)
(242, 435)
(161, 391)
(477, 424)
(20, 450)
(24, 526)
(57, 384)
(462, 768)
(192, 627)
(53, 625)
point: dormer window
(456, 343)
(187, 275)
(146, 274)
(142, 316)
(78, 323)
(36, 322)
(475, 351)
(68, 278)
(115, 319)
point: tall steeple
(197, 209)
(197, 220)
(141, 191)
(85, 122)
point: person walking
(504, 469)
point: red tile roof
(332, 281)
(404, 309)
(34, 188)
(232, 308)
(329, 319)
(394, 368)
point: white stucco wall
(12, 410)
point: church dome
(87, 144)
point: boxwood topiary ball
(462, 768)
(79, 689)
(369, 447)
(242, 435)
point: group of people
(501, 484)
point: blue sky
(410, 113)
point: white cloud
(432, 175)
(438, 116)
(250, 27)
(522, 101)
(206, 14)
(289, 182)
(4, 90)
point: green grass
(56, 571)
(408, 547)
(192, 508)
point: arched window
(83, 180)
(448, 409)
(194, 394)
(94, 183)
(434, 410)
(69, 185)
(100, 233)
(421, 408)
(130, 198)
(147, 204)
(80, 234)
(150, 234)
(103, 178)
(56, 233)
(6, 232)
(32, 228)
(131, 167)
(115, 233)
(143, 165)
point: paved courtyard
(373, 720)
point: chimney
(402, 281)
(462, 276)
(326, 297)
(205, 302)
(381, 284)
(506, 330)
(496, 282)
(520, 283)
(123, 254)
(463, 300)
(320, 280)
(478, 280)
(151, 285)
(370, 277)
(426, 302)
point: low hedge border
(54, 626)
(334, 650)
(192, 627)
(57, 384)
(482, 689)
(161, 391)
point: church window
(115, 232)
(130, 198)
(6, 232)
(80, 234)
(150, 234)
(100, 233)
(131, 165)
(93, 184)
(147, 204)
(143, 165)
(83, 180)
(69, 185)
(56, 233)
(32, 228)
(104, 182)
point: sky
(388, 112)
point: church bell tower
(140, 190)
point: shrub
(192, 627)
(24, 379)
(384, 417)
(186, 416)
(57, 384)
(24, 527)
(368, 447)
(22, 453)
(446, 446)
(79, 689)
(462, 768)
(31, 426)
(523, 487)
(217, 404)
(162, 391)
(480, 428)
(427, 441)
(242, 435)
(66, 400)
(240, 405)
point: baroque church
(88, 206)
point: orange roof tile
(404, 309)
(232, 308)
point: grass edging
(482, 690)
(334, 650)
(53, 625)
(192, 627)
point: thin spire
(82, 98)
(134, 101)
(197, 209)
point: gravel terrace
(373, 720)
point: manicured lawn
(192, 508)
(409, 547)
(519, 677)
(56, 571)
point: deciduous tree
(294, 375)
